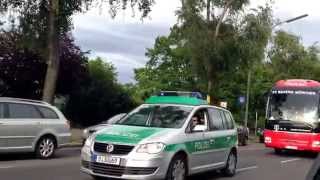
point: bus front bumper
(292, 140)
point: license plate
(292, 147)
(108, 160)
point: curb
(71, 145)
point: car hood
(98, 127)
(129, 134)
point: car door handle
(228, 138)
(212, 141)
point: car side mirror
(116, 118)
(199, 128)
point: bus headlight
(151, 148)
(267, 140)
(316, 144)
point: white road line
(252, 149)
(6, 167)
(247, 168)
(290, 160)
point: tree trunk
(53, 61)
(210, 84)
(225, 10)
(183, 4)
(208, 10)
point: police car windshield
(160, 116)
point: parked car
(32, 126)
(243, 135)
(168, 137)
(92, 129)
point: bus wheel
(277, 151)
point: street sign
(242, 99)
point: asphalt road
(255, 163)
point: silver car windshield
(160, 116)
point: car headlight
(151, 148)
(89, 141)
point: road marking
(247, 168)
(290, 160)
(6, 167)
(252, 149)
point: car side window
(23, 111)
(1, 111)
(47, 113)
(216, 122)
(200, 117)
(228, 120)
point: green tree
(220, 43)
(168, 68)
(22, 70)
(44, 21)
(240, 46)
(290, 59)
(99, 97)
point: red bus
(292, 116)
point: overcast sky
(123, 40)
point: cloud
(131, 39)
(124, 63)
(123, 40)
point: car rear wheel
(231, 167)
(46, 148)
(177, 168)
(245, 141)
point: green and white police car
(168, 137)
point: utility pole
(249, 71)
(256, 125)
(247, 99)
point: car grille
(139, 171)
(118, 149)
(105, 169)
(113, 170)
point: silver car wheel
(232, 163)
(179, 170)
(46, 147)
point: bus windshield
(298, 106)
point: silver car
(92, 129)
(32, 126)
(165, 138)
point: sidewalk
(76, 138)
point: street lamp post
(249, 71)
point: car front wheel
(278, 151)
(231, 167)
(45, 148)
(177, 168)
